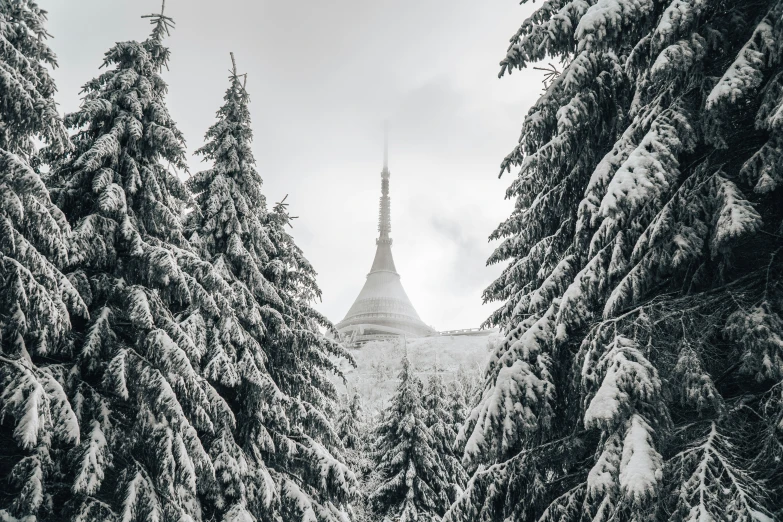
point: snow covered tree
(28, 107)
(301, 358)
(349, 421)
(440, 420)
(36, 299)
(228, 216)
(640, 375)
(357, 432)
(464, 391)
(458, 409)
(414, 482)
(264, 345)
(146, 414)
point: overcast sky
(323, 76)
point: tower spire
(384, 214)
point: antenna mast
(384, 214)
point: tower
(382, 308)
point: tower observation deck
(382, 308)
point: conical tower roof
(382, 308)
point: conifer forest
(164, 356)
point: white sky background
(322, 77)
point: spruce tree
(440, 420)
(36, 299)
(357, 434)
(301, 358)
(372, 476)
(263, 348)
(226, 228)
(349, 422)
(302, 355)
(146, 413)
(640, 375)
(458, 409)
(413, 480)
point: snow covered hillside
(379, 362)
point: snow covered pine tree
(38, 423)
(414, 484)
(300, 359)
(264, 347)
(641, 376)
(357, 433)
(463, 394)
(440, 420)
(349, 423)
(145, 412)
